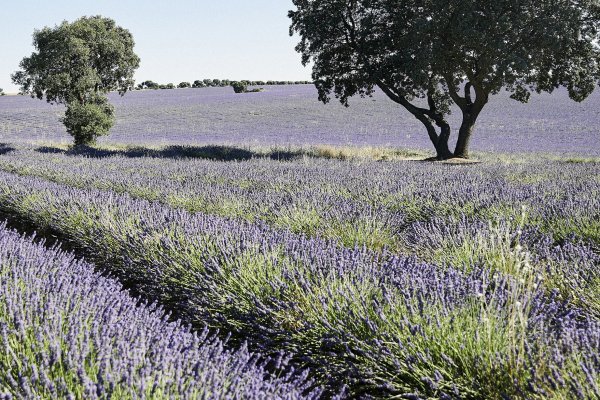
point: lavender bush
(370, 204)
(69, 333)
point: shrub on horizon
(239, 87)
(148, 85)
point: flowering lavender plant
(67, 332)
(382, 323)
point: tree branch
(420, 113)
(468, 87)
(460, 102)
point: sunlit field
(291, 115)
(235, 246)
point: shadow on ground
(4, 148)
(212, 152)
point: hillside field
(264, 245)
(292, 115)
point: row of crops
(375, 281)
(69, 333)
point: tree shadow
(286, 155)
(4, 148)
(50, 150)
(209, 152)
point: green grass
(584, 227)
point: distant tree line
(214, 83)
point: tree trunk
(464, 138)
(427, 117)
(440, 142)
(441, 146)
(470, 112)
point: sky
(176, 40)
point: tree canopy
(428, 55)
(76, 64)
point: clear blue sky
(177, 40)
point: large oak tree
(76, 64)
(426, 55)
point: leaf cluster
(86, 121)
(72, 60)
(432, 49)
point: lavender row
(570, 269)
(70, 333)
(371, 203)
(396, 205)
(353, 203)
(382, 324)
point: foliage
(86, 121)
(213, 83)
(2, 92)
(434, 50)
(240, 87)
(148, 85)
(89, 55)
(78, 62)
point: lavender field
(420, 220)
(69, 333)
(292, 115)
(326, 278)
(215, 268)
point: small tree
(448, 52)
(207, 82)
(198, 84)
(77, 64)
(184, 85)
(239, 87)
(2, 92)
